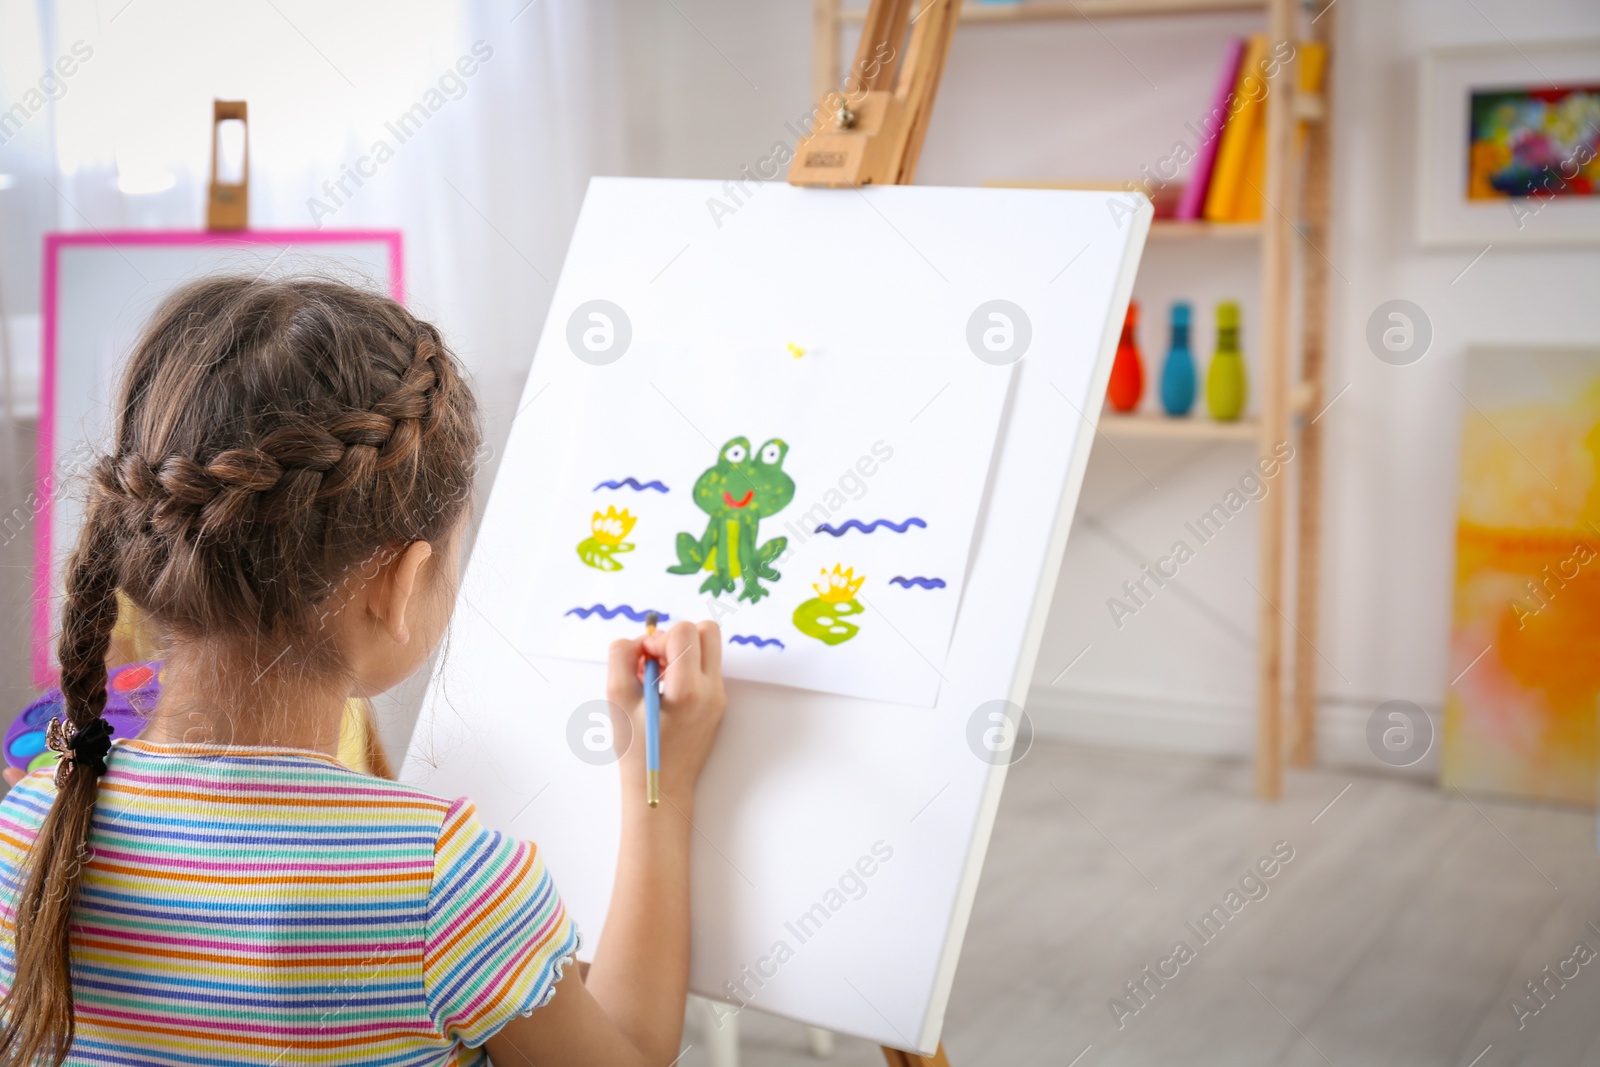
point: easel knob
(228, 206)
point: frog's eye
(772, 453)
(735, 454)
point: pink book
(1192, 204)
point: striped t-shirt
(271, 906)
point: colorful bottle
(1226, 389)
(1127, 372)
(1177, 373)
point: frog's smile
(727, 498)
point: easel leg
(896, 1058)
(721, 1033)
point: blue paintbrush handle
(652, 731)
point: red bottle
(1127, 373)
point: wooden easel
(871, 132)
(228, 204)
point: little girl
(292, 473)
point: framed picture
(99, 290)
(1509, 151)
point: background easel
(872, 133)
(134, 640)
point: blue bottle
(1177, 373)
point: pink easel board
(99, 290)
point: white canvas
(838, 839)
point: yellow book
(1313, 68)
(1233, 153)
(1247, 203)
(1313, 57)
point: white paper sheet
(882, 448)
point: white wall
(1072, 101)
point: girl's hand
(692, 703)
(628, 1010)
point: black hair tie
(87, 745)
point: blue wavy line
(922, 583)
(849, 524)
(752, 639)
(611, 613)
(631, 483)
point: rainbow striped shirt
(271, 906)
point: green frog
(743, 488)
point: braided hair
(272, 436)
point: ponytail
(38, 1012)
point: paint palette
(131, 695)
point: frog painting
(744, 487)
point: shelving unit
(1174, 230)
(1295, 189)
(1186, 429)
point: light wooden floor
(1397, 935)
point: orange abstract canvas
(1522, 711)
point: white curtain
(105, 123)
(520, 105)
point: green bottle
(1226, 389)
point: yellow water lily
(612, 526)
(606, 532)
(840, 585)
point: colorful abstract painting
(1534, 142)
(1521, 714)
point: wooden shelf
(1189, 427)
(1160, 229)
(1164, 229)
(1082, 10)
(1289, 400)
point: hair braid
(300, 461)
(39, 1022)
(222, 494)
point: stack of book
(1230, 162)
